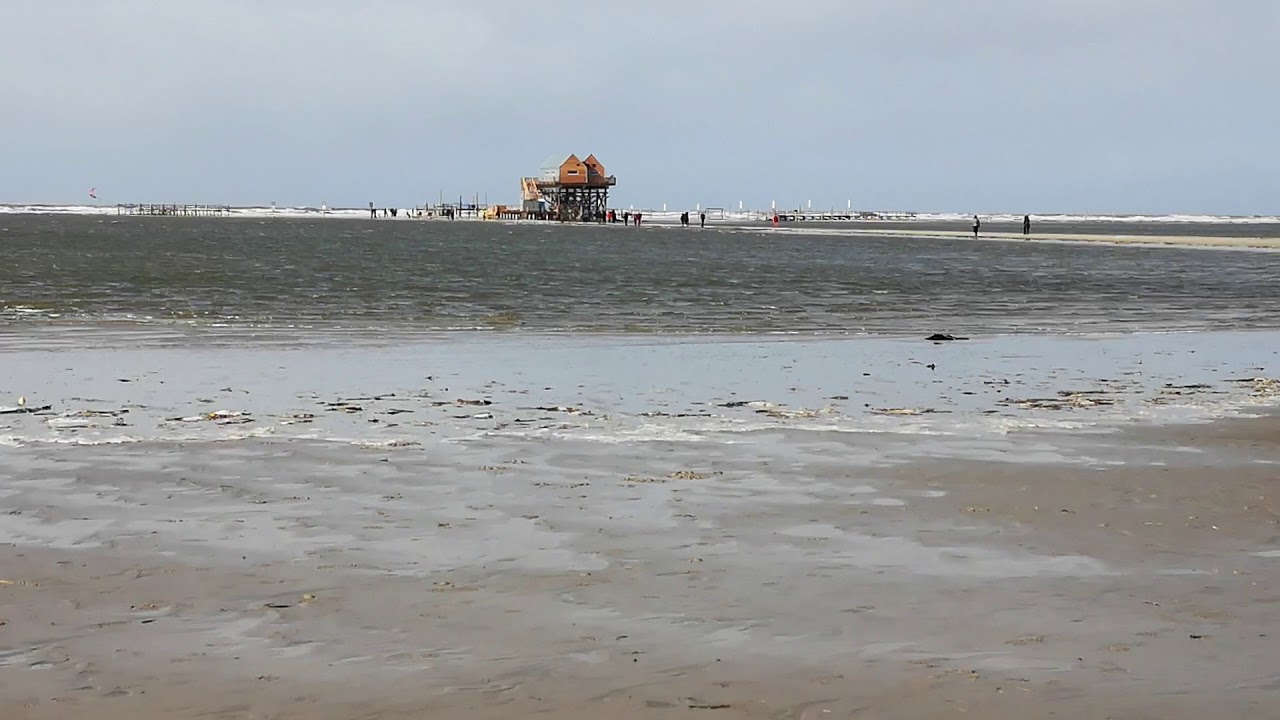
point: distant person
(637, 219)
(626, 218)
(394, 211)
(1026, 224)
(702, 220)
(976, 225)
(775, 219)
(373, 212)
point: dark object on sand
(24, 409)
(943, 337)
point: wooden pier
(172, 210)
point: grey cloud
(982, 105)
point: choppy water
(405, 275)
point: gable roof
(594, 165)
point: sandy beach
(661, 361)
(1034, 527)
(287, 580)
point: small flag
(93, 193)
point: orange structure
(571, 189)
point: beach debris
(944, 337)
(222, 417)
(644, 480)
(480, 402)
(20, 583)
(570, 410)
(22, 407)
(298, 418)
(692, 475)
(1026, 640)
(385, 444)
(447, 586)
(908, 411)
(343, 406)
(1066, 400)
(1261, 385)
(709, 706)
(781, 412)
(85, 419)
(98, 413)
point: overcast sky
(976, 106)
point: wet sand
(1135, 578)
(1097, 235)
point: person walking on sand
(976, 224)
(702, 219)
(1026, 224)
